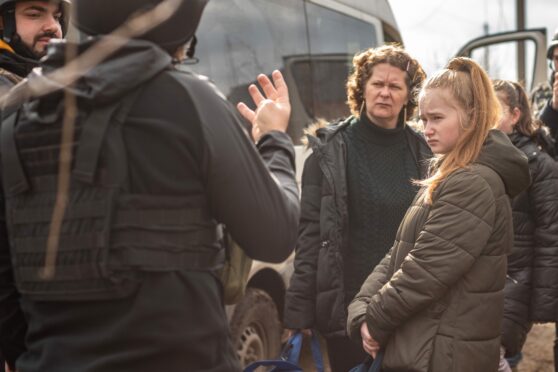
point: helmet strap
(8, 17)
(9, 33)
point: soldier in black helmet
(545, 96)
(159, 159)
(27, 26)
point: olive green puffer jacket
(435, 301)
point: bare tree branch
(64, 172)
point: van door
(497, 53)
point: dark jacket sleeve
(300, 300)
(543, 195)
(544, 203)
(454, 235)
(252, 190)
(12, 322)
(549, 117)
(13, 325)
(517, 296)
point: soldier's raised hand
(273, 108)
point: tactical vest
(109, 236)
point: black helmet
(553, 44)
(7, 9)
(100, 17)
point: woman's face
(385, 94)
(440, 115)
(509, 116)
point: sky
(434, 30)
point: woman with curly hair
(356, 187)
(435, 302)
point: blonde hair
(363, 67)
(472, 90)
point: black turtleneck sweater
(380, 168)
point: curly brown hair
(363, 66)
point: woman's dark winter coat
(316, 295)
(531, 293)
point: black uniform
(181, 144)
(13, 69)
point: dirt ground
(537, 352)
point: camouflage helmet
(553, 44)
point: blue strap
(377, 364)
(290, 356)
(370, 365)
(279, 366)
(316, 353)
(291, 352)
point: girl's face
(441, 117)
(510, 116)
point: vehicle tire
(255, 327)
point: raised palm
(272, 110)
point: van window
(312, 45)
(239, 39)
(333, 32)
(334, 39)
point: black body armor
(109, 235)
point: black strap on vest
(94, 130)
(15, 180)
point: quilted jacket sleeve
(549, 117)
(543, 198)
(454, 235)
(357, 309)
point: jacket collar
(6, 46)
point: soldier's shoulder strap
(94, 130)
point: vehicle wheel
(255, 327)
